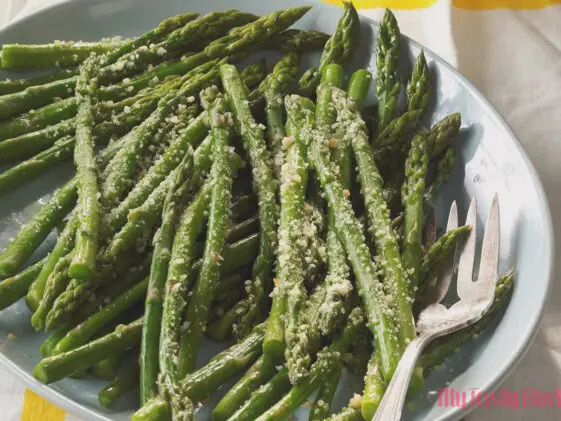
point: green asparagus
(56, 54)
(328, 363)
(384, 328)
(178, 283)
(419, 86)
(173, 154)
(443, 134)
(163, 242)
(254, 74)
(124, 382)
(32, 234)
(388, 83)
(238, 40)
(14, 288)
(254, 143)
(35, 166)
(188, 38)
(57, 367)
(55, 284)
(259, 373)
(83, 263)
(10, 86)
(412, 196)
(338, 49)
(273, 88)
(219, 221)
(379, 226)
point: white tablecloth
(514, 58)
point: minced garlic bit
(331, 143)
(356, 401)
(346, 193)
(11, 336)
(287, 141)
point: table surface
(514, 57)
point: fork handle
(391, 406)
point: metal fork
(436, 320)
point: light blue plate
(490, 160)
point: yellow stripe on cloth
(504, 4)
(461, 4)
(391, 4)
(35, 408)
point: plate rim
(532, 328)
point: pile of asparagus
(273, 210)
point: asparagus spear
(55, 283)
(118, 175)
(10, 86)
(264, 397)
(337, 281)
(71, 53)
(443, 134)
(145, 217)
(199, 385)
(14, 288)
(419, 86)
(388, 84)
(338, 49)
(219, 221)
(379, 224)
(32, 234)
(83, 262)
(163, 241)
(273, 88)
(412, 194)
(177, 283)
(443, 173)
(38, 119)
(173, 154)
(328, 362)
(238, 40)
(260, 372)
(254, 74)
(133, 276)
(290, 271)
(383, 327)
(35, 97)
(107, 368)
(123, 383)
(60, 366)
(296, 41)
(155, 35)
(188, 38)
(254, 144)
(438, 256)
(359, 85)
(30, 144)
(83, 332)
(374, 388)
(56, 54)
(322, 403)
(34, 167)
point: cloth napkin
(511, 50)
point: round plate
(490, 161)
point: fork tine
(429, 233)
(444, 280)
(467, 258)
(489, 267)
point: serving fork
(436, 320)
